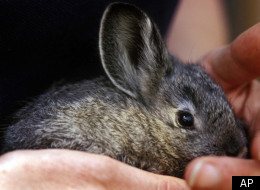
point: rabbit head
(182, 96)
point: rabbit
(150, 111)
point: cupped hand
(68, 169)
(236, 68)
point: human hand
(68, 169)
(235, 67)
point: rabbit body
(150, 111)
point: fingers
(216, 172)
(64, 169)
(237, 63)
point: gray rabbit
(151, 111)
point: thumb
(216, 172)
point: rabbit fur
(151, 111)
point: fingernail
(204, 175)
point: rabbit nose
(237, 152)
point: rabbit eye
(185, 119)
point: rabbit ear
(133, 53)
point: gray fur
(133, 114)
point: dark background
(47, 41)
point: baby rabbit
(151, 111)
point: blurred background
(200, 26)
(242, 14)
